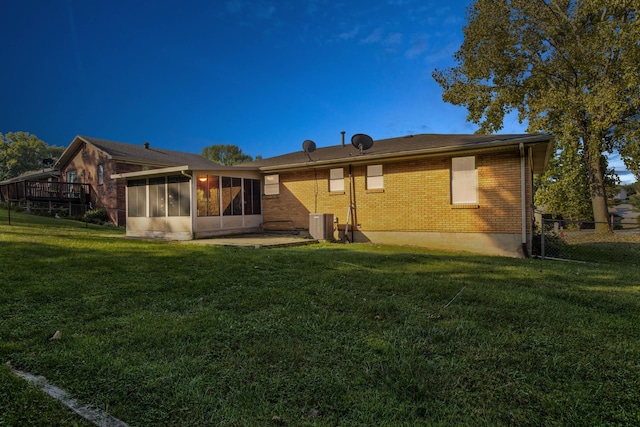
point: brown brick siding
(111, 194)
(416, 197)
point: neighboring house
(18, 188)
(94, 162)
(460, 192)
(42, 190)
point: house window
(231, 196)
(375, 180)
(137, 197)
(100, 175)
(336, 179)
(271, 185)
(464, 180)
(252, 197)
(179, 194)
(72, 176)
(157, 197)
(208, 195)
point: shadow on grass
(321, 335)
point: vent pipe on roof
(343, 132)
(146, 145)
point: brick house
(455, 192)
(94, 162)
(37, 190)
(461, 192)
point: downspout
(351, 210)
(523, 200)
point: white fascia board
(151, 172)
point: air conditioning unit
(321, 226)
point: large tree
(226, 154)
(22, 152)
(568, 67)
(563, 189)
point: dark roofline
(142, 154)
(33, 175)
(400, 149)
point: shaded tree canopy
(22, 152)
(568, 67)
(563, 189)
(226, 154)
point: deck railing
(65, 191)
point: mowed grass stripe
(164, 334)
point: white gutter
(523, 198)
(150, 172)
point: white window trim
(336, 180)
(72, 174)
(271, 185)
(375, 177)
(464, 181)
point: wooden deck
(45, 191)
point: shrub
(96, 216)
(60, 212)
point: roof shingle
(396, 147)
(157, 156)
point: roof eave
(67, 154)
(181, 169)
(489, 146)
(133, 161)
(151, 172)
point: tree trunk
(595, 170)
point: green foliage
(570, 68)
(21, 152)
(226, 154)
(96, 216)
(324, 335)
(634, 200)
(563, 189)
(632, 189)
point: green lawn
(188, 335)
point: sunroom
(180, 203)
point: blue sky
(263, 75)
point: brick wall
(416, 197)
(110, 195)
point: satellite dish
(47, 163)
(309, 146)
(362, 142)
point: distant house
(94, 162)
(621, 195)
(40, 189)
(461, 192)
